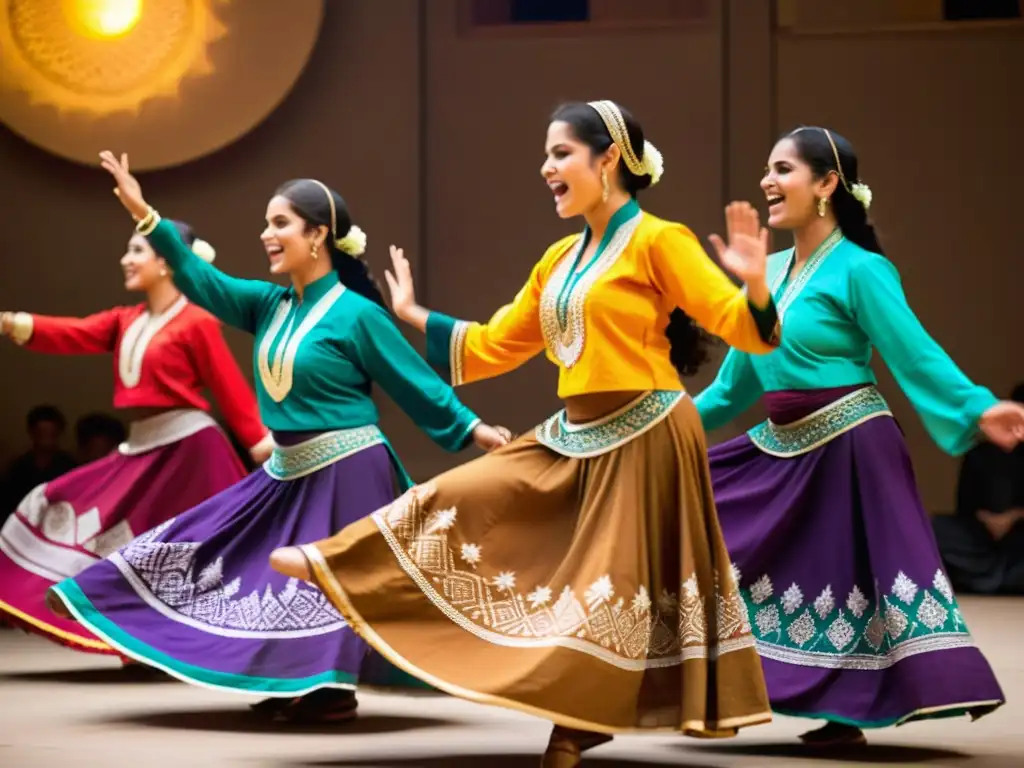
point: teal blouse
(317, 356)
(845, 301)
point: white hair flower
(353, 243)
(204, 250)
(863, 193)
(654, 164)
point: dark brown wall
(927, 111)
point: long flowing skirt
(577, 574)
(65, 526)
(196, 597)
(854, 615)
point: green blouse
(317, 356)
(843, 302)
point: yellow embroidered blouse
(603, 323)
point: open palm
(400, 284)
(746, 253)
(128, 189)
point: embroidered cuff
(22, 326)
(769, 327)
(446, 337)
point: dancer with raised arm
(577, 574)
(854, 615)
(196, 596)
(166, 352)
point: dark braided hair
(688, 342)
(310, 201)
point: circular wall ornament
(167, 81)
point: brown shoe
(834, 735)
(567, 745)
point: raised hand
(488, 438)
(1003, 424)
(400, 284)
(128, 190)
(6, 323)
(746, 254)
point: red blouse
(162, 361)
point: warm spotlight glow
(106, 18)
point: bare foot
(834, 735)
(291, 562)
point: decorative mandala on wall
(77, 76)
(104, 56)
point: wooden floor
(60, 709)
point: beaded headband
(652, 163)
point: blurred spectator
(44, 461)
(96, 435)
(982, 544)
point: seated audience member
(982, 544)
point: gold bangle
(21, 327)
(148, 224)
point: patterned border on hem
(322, 576)
(593, 438)
(822, 426)
(85, 612)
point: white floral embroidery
(736, 575)
(641, 601)
(540, 596)
(803, 630)
(856, 603)
(941, 584)
(690, 587)
(840, 632)
(601, 591)
(761, 590)
(441, 521)
(505, 581)
(471, 554)
(931, 613)
(824, 603)
(904, 588)
(792, 599)
(668, 602)
(768, 620)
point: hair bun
(353, 243)
(203, 250)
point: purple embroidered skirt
(854, 616)
(197, 598)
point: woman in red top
(166, 351)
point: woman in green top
(196, 596)
(854, 617)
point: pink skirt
(170, 463)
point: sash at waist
(834, 414)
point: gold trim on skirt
(595, 592)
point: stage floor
(60, 709)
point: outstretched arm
(90, 335)
(233, 300)
(380, 349)
(465, 351)
(951, 406)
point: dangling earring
(605, 191)
(163, 272)
(822, 206)
(314, 250)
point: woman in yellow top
(578, 573)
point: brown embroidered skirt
(577, 574)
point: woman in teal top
(854, 617)
(196, 596)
